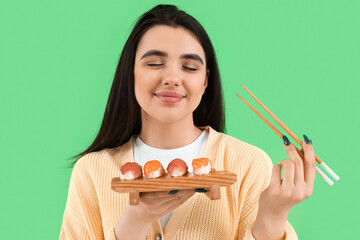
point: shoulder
(104, 163)
(99, 162)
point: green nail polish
(200, 190)
(286, 140)
(307, 140)
(173, 192)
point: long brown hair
(122, 118)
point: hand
(136, 220)
(297, 183)
(154, 205)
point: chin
(169, 116)
(169, 119)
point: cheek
(196, 92)
(196, 87)
(144, 86)
(139, 87)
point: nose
(171, 77)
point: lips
(169, 97)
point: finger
(297, 160)
(158, 194)
(309, 163)
(288, 173)
(183, 194)
(164, 194)
(173, 192)
(187, 191)
(200, 190)
(150, 197)
(146, 200)
(178, 202)
(275, 181)
(162, 197)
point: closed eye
(159, 64)
(154, 64)
(191, 69)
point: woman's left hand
(297, 183)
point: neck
(169, 135)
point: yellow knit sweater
(93, 209)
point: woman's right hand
(154, 205)
(136, 220)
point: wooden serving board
(211, 182)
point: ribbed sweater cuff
(290, 233)
(111, 234)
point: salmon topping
(200, 162)
(152, 166)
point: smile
(168, 99)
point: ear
(206, 78)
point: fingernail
(307, 140)
(173, 192)
(286, 140)
(200, 190)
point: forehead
(174, 41)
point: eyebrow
(192, 56)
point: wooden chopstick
(279, 122)
(280, 135)
(332, 173)
(322, 163)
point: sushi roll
(202, 166)
(130, 170)
(153, 169)
(177, 168)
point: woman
(166, 102)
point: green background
(58, 58)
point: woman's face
(170, 73)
